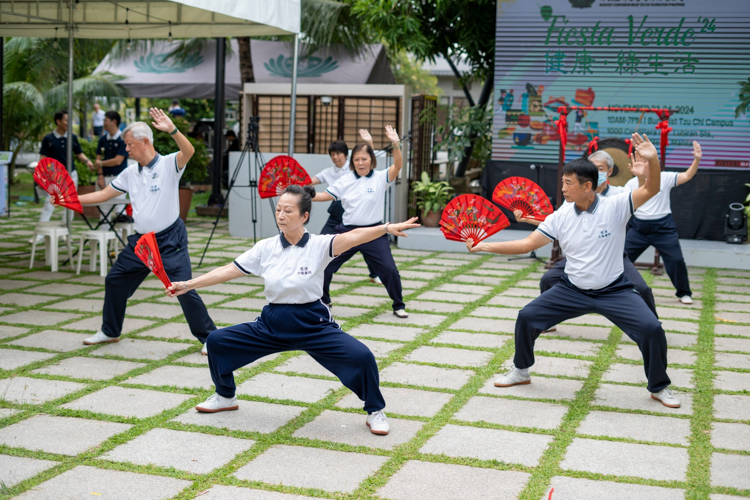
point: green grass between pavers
(700, 449)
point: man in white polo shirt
(153, 188)
(591, 232)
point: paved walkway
(117, 421)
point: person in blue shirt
(175, 109)
(111, 158)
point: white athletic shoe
(667, 398)
(401, 313)
(217, 403)
(511, 378)
(377, 421)
(686, 299)
(204, 350)
(100, 338)
(376, 280)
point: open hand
(399, 228)
(161, 120)
(391, 134)
(697, 153)
(637, 166)
(365, 135)
(644, 147)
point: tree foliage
(744, 104)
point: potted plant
(432, 196)
(87, 177)
(196, 169)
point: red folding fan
(52, 176)
(519, 193)
(471, 216)
(148, 251)
(279, 173)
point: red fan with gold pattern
(471, 216)
(279, 173)
(148, 251)
(519, 193)
(52, 176)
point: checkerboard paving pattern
(118, 421)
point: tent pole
(69, 146)
(216, 196)
(293, 114)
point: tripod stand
(251, 144)
(533, 254)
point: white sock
(523, 371)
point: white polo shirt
(611, 190)
(659, 206)
(293, 273)
(153, 191)
(593, 240)
(363, 197)
(332, 174)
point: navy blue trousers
(617, 302)
(662, 235)
(335, 218)
(128, 273)
(296, 327)
(378, 253)
(552, 276)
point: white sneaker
(204, 350)
(376, 280)
(686, 299)
(100, 338)
(511, 378)
(377, 421)
(217, 403)
(667, 398)
(401, 313)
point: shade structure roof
(123, 19)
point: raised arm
(685, 176)
(394, 170)
(365, 135)
(164, 123)
(99, 196)
(532, 242)
(351, 239)
(218, 275)
(651, 187)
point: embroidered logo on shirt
(604, 233)
(303, 271)
(155, 176)
(370, 190)
(155, 189)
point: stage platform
(699, 253)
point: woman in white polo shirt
(293, 265)
(362, 194)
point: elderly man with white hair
(153, 188)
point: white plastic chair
(52, 232)
(125, 229)
(100, 239)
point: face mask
(602, 178)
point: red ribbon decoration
(629, 142)
(665, 130)
(593, 146)
(562, 129)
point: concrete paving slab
(491, 340)
(220, 492)
(381, 349)
(674, 302)
(520, 292)
(505, 301)
(207, 298)
(24, 299)
(91, 325)
(139, 294)
(188, 451)
(739, 330)
(179, 330)
(26, 390)
(717, 496)
(731, 436)
(539, 388)
(485, 325)
(14, 284)
(10, 359)
(340, 311)
(61, 435)
(7, 331)
(449, 356)
(351, 429)
(727, 360)
(673, 339)
(175, 376)
(38, 318)
(634, 374)
(564, 367)
(371, 290)
(577, 348)
(401, 333)
(304, 364)
(47, 275)
(427, 376)
(488, 444)
(93, 279)
(13, 470)
(155, 310)
(274, 386)
(589, 319)
(733, 317)
(82, 305)
(675, 356)
(361, 300)
(731, 344)
(512, 412)
(462, 298)
(414, 319)
(66, 289)
(678, 313)
(733, 407)
(574, 488)
(496, 312)
(580, 332)
(252, 416)
(730, 470)
(626, 459)
(638, 398)
(636, 426)
(246, 303)
(140, 349)
(127, 402)
(492, 278)
(89, 368)
(732, 381)
(327, 470)
(402, 401)
(53, 340)
(671, 325)
(418, 480)
(8, 412)
(461, 288)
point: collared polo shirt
(153, 192)
(363, 197)
(611, 190)
(293, 273)
(659, 206)
(332, 174)
(110, 146)
(54, 146)
(593, 240)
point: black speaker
(735, 229)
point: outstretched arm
(519, 218)
(651, 187)
(99, 196)
(392, 135)
(351, 239)
(322, 196)
(164, 123)
(218, 275)
(685, 176)
(532, 242)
